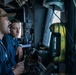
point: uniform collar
(0, 40)
(12, 37)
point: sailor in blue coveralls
(11, 43)
(5, 67)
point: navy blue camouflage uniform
(5, 67)
(11, 45)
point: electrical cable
(74, 3)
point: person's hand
(19, 69)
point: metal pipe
(41, 66)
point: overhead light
(57, 4)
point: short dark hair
(15, 21)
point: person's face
(4, 25)
(15, 29)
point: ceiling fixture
(56, 4)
